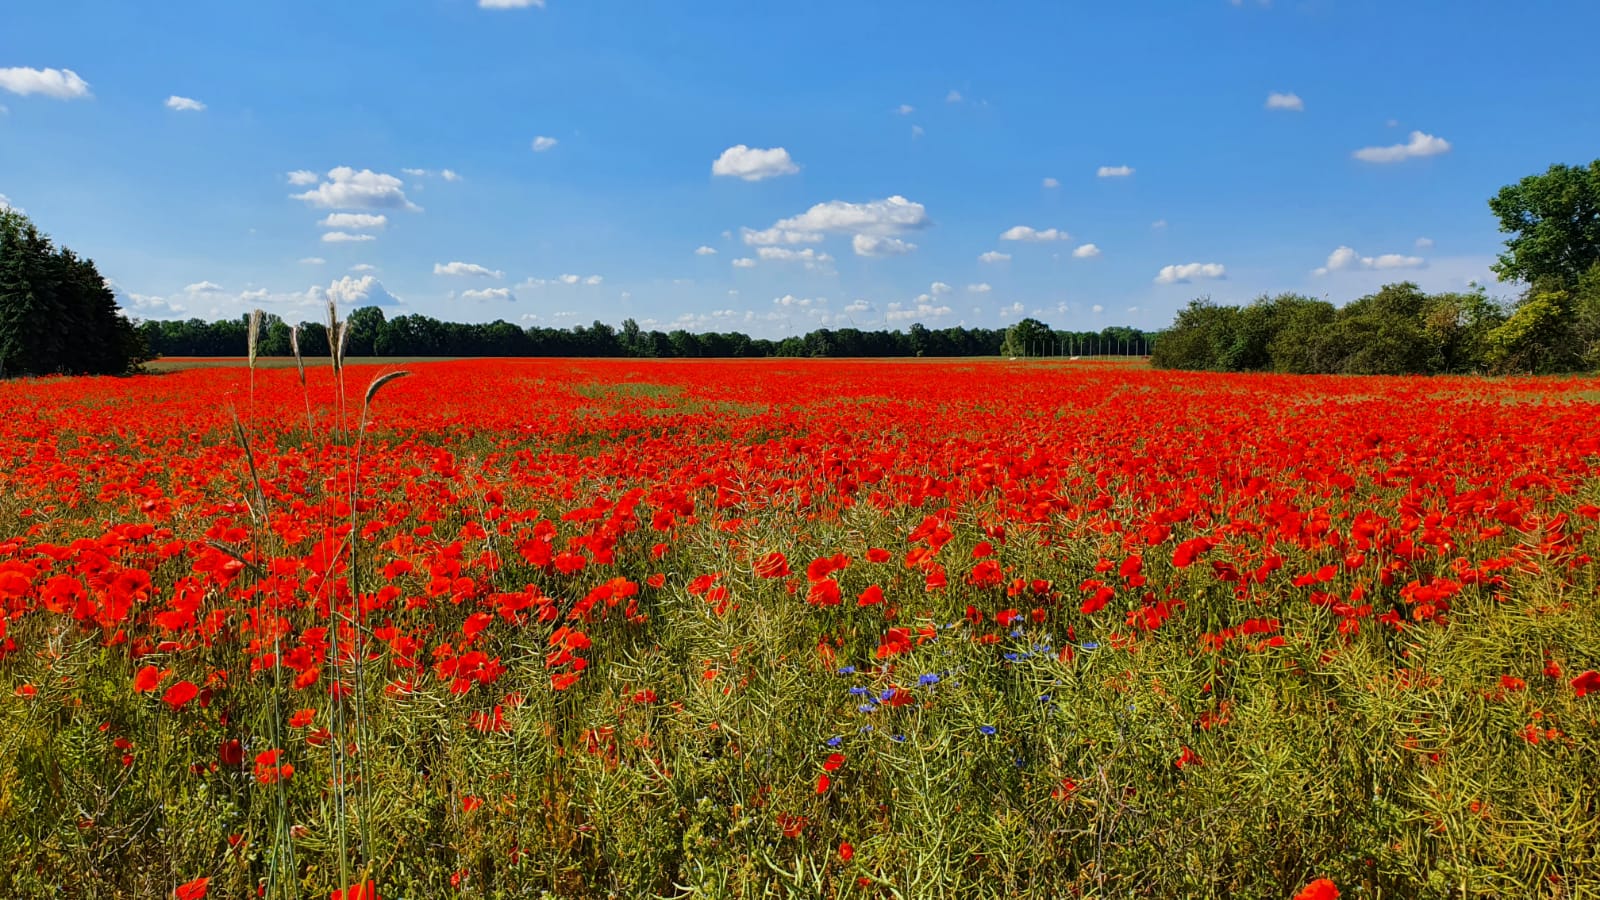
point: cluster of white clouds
(568, 279)
(874, 227)
(1024, 233)
(1183, 274)
(446, 174)
(1346, 259)
(348, 188)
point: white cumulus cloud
(1024, 233)
(873, 245)
(543, 143)
(353, 292)
(1114, 171)
(347, 188)
(889, 216)
(499, 293)
(744, 262)
(1290, 102)
(1187, 272)
(1346, 258)
(1419, 146)
(59, 84)
(753, 164)
(981, 287)
(923, 308)
(994, 256)
(953, 97)
(940, 287)
(357, 221)
(345, 237)
(1086, 251)
(466, 269)
(203, 287)
(185, 104)
(302, 177)
(1051, 183)
(704, 250)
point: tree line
(57, 314)
(1554, 326)
(371, 333)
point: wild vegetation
(793, 628)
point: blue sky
(877, 159)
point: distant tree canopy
(1398, 331)
(372, 334)
(57, 316)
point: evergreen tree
(57, 315)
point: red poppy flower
(192, 890)
(147, 679)
(1321, 889)
(179, 694)
(1585, 683)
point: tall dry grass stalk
(253, 339)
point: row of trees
(372, 334)
(1554, 222)
(1400, 330)
(57, 315)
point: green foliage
(1400, 330)
(56, 313)
(1555, 220)
(1025, 337)
(1537, 338)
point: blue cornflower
(1089, 645)
(858, 691)
(1016, 632)
(1044, 698)
(887, 695)
(898, 738)
(1013, 657)
(834, 741)
(866, 708)
(986, 730)
(928, 680)
(847, 670)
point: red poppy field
(792, 628)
